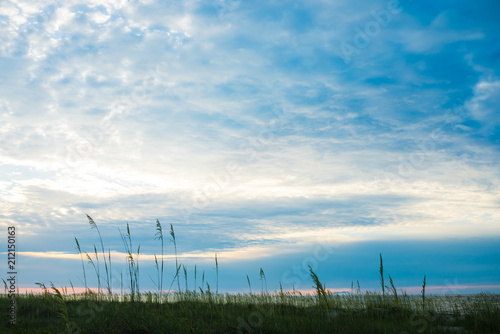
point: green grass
(57, 311)
(280, 312)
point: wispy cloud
(243, 125)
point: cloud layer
(252, 127)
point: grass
(281, 312)
(203, 311)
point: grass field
(252, 313)
(61, 310)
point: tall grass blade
(394, 291)
(62, 309)
(194, 278)
(185, 276)
(172, 234)
(262, 279)
(133, 265)
(423, 294)
(98, 271)
(95, 269)
(217, 271)
(249, 285)
(159, 236)
(382, 277)
(108, 271)
(83, 267)
(320, 289)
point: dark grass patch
(252, 314)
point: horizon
(411, 291)
(276, 135)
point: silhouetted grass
(57, 311)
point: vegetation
(190, 311)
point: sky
(276, 134)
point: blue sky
(276, 134)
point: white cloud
(129, 109)
(432, 38)
(483, 106)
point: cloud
(483, 104)
(437, 34)
(242, 124)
